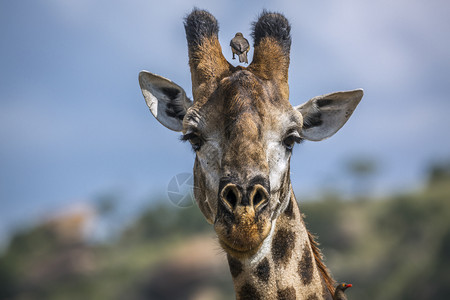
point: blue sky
(74, 124)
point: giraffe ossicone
(242, 128)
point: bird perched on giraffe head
(339, 292)
(240, 46)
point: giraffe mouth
(241, 239)
(239, 253)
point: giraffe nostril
(259, 196)
(230, 196)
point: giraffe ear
(167, 100)
(324, 115)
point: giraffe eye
(195, 140)
(290, 141)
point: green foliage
(396, 248)
(439, 172)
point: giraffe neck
(287, 266)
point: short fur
(286, 294)
(249, 292)
(272, 25)
(282, 246)
(263, 270)
(306, 266)
(235, 266)
(200, 25)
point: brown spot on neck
(235, 266)
(263, 270)
(248, 292)
(305, 266)
(286, 294)
(282, 245)
(289, 211)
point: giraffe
(242, 129)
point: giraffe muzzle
(243, 218)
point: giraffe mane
(318, 257)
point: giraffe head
(242, 127)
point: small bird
(240, 46)
(339, 292)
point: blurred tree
(438, 172)
(108, 224)
(106, 204)
(362, 170)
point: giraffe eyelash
(188, 136)
(195, 140)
